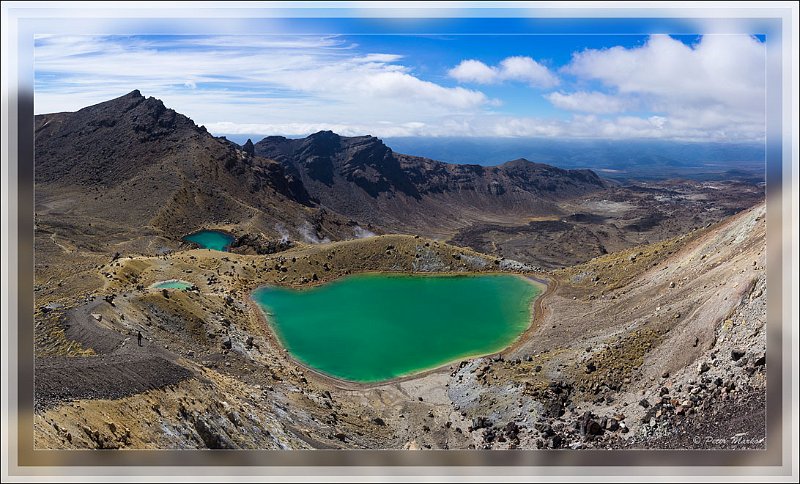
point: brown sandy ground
(607, 221)
(638, 348)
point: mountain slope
(130, 174)
(132, 164)
(679, 325)
(363, 178)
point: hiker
(140, 338)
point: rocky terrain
(131, 173)
(651, 333)
(364, 179)
(528, 211)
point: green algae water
(172, 284)
(374, 327)
(211, 239)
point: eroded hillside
(631, 349)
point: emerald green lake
(374, 327)
(211, 239)
(172, 284)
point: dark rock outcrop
(260, 244)
(363, 161)
(364, 179)
(248, 147)
(139, 163)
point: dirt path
(109, 376)
(120, 368)
(80, 326)
(61, 246)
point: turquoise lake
(174, 284)
(211, 239)
(375, 327)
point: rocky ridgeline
(260, 244)
(556, 421)
(716, 402)
(732, 373)
(363, 179)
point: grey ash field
(651, 333)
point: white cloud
(525, 69)
(716, 85)
(517, 68)
(474, 71)
(589, 102)
(244, 80)
(593, 126)
(380, 58)
(386, 130)
(298, 85)
(720, 68)
(576, 126)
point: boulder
(587, 425)
(481, 422)
(212, 437)
(737, 354)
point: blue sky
(689, 87)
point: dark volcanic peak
(109, 141)
(360, 176)
(549, 177)
(325, 135)
(374, 167)
(133, 148)
(325, 156)
(527, 165)
(248, 147)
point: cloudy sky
(598, 86)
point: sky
(688, 87)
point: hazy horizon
(640, 159)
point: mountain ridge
(182, 177)
(361, 176)
(310, 152)
(179, 177)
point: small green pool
(172, 284)
(375, 327)
(211, 239)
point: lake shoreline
(179, 284)
(543, 284)
(228, 236)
